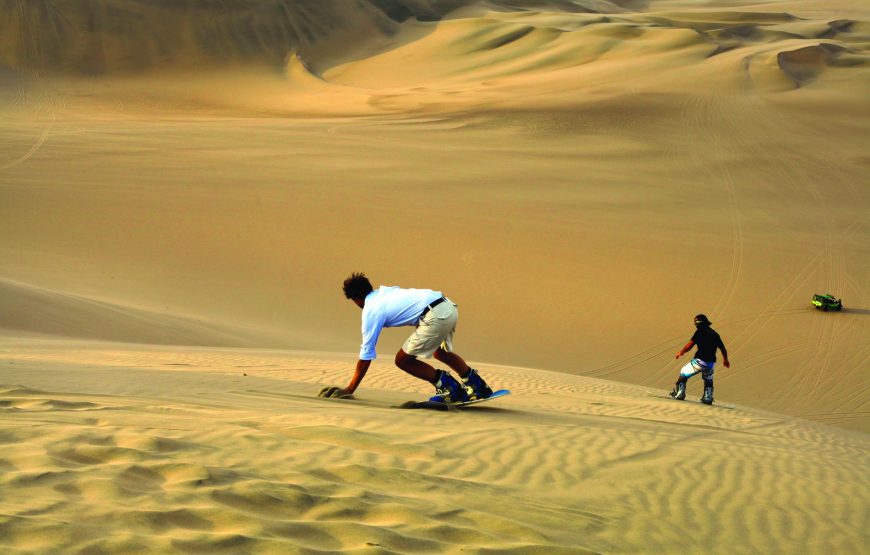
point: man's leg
(475, 385)
(679, 392)
(707, 375)
(453, 361)
(446, 387)
(416, 367)
(434, 330)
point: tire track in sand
(708, 126)
(43, 104)
(33, 149)
(797, 172)
(701, 120)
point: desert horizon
(185, 185)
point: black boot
(679, 392)
(476, 387)
(448, 390)
(707, 398)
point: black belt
(431, 305)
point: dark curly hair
(357, 286)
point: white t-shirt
(391, 307)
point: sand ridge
(298, 60)
(229, 450)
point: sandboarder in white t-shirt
(434, 318)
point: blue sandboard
(435, 405)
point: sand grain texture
(124, 448)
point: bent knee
(402, 357)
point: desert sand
(184, 186)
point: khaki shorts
(434, 330)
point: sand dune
(185, 184)
(716, 152)
(105, 37)
(29, 309)
(102, 36)
(566, 465)
(423, 56)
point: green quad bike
(827, 302)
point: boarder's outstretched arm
(685, 349)
(724, 354)
(362, 366)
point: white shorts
(434, 330)
(697, 365)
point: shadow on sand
(847, 310)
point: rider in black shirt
(704, 360)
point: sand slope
(596, 177)
(582, 177)
(229, 451)
(101, 37)
(29, 310)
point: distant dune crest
(102, 36)
(99, 36)
(388, 44)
